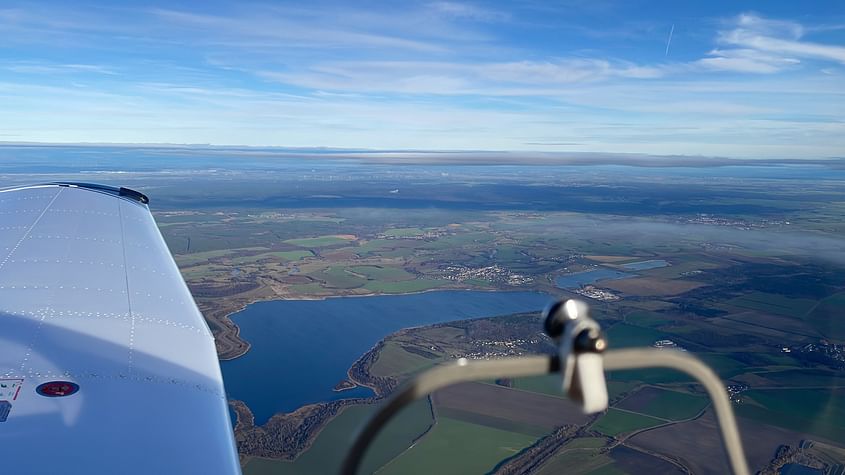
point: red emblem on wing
(57, 389)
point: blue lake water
(302, 348)
(646, 265)
(574, 281)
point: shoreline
(286, 436)
(234, 331)
(345, 385)
(230, 333)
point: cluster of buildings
(494, 273)
(704, 218)
(597, 293)
(825, 348)
(663, 344)
(565, 259)
(496, 349)
(430, 234)
(690, 273)
(735, 392)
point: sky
(717, 78)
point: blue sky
(737, 79)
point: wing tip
(122, 192)
(134, 195)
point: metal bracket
(580, 362)
(580, 344)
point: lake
(302, 348)
(576, 280)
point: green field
(646, 319)
(618, 388)
(623, 335)
(393, 360)
(275, 255)
(617, 422)
(678, 268)
(331, 445)
(816, 411)
(579, 462)
(459, 240)
(397, 252)
(494, 422)
(202, 257)
(338, 278)
(479, 282)
(773, 303)
(829, 317)
(457, 447)
(724, 365)
(779, 359)
(649, 375)
(204, 271)
(510, 255)
(665, 404)
(404, 232)
(386, 274)
(320, 241)
(803, 377)
(550, 385)
(587, 443)
(291, 255)
(441, 333)
(405, 286)
(374, 245)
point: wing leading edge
(106, 364)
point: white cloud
(529, 78)
(31, 67)
(190, 114)
(468, 11)
(285, 31)
(337, 75)
(745, 61)
(565, 71)
(768, 27)
(766, 46)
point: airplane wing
(106, 364)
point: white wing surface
(106, 365)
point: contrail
(670, 39)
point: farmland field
(664, 404)
(815, 411)
(617, 422)
(403, 232)
(523, 407)
(386, 274)
(829, 317)
(393, 360)
(580, 462)
(773, 303)
(320, 241)
(322, 457)
(458, 447)
(649, 286)
(404, 287)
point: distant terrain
(742, 264)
